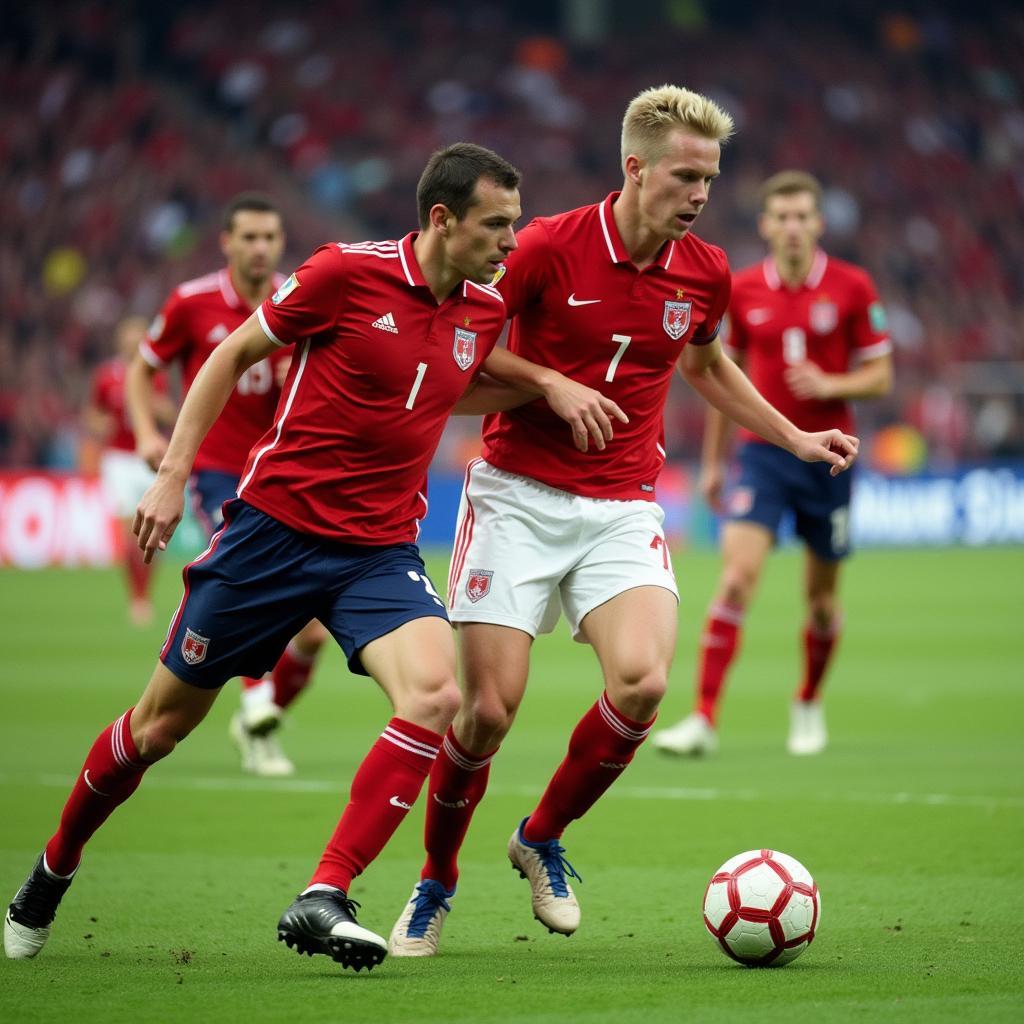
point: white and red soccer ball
(763, 908)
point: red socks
(819, 646)
(111, 773)
(291, 674)
(385, 787)
(602, 744)
(718, 646)
(458, 781)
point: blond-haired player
(617, 295)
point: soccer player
(196, 318)
(387, 336)
(616, 295)
(810, 332)
(124, 475)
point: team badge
(479, 584)
(823, 316)
(741, 501)
(194, 647)
(285, 290)
(464, 348)
(677, 318)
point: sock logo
(91, 786)
(455, 805)
(612, 764)
(395, 802)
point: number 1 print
(421, 369)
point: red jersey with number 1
(833, 319)
(197, 317)
(378, 366)
(581, 307)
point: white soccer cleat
(261, 755)
(28, 918)
(22, 942)
(542, 864)
(417, 931)
(807, 732)
(260, 717)
(691, 737)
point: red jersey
(197, 317)
(833, 319)
(583, 308)
(377, 368)
(106, 393)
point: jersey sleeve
(525, 271)
(869, 330)
(309, 300)
(168, 335)
(708, 330)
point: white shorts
(525, 551)
(125, 479)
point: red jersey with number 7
(581, 307)
(378, 365)
(196, 318)
(832, 319)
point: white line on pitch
(242, 784)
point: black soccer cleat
(28, 919)
(325, 922)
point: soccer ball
(763, 908)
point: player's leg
(808, 733)
(167, 712)
(392, 626)
(495, 663)
(822, 506)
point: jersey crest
(194, 647)
(464, 348)
(676, 318)
(479, 584)
(285, 290)
(823, 316)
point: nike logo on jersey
(395, 802)
(386, 323)
(573, 301)
(98, 792)
(759, 316)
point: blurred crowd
(124, 130)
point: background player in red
(615, 295)
(388, 335)
(124, 474)
(196, 318)
(810, 331)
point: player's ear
(633, 167)
(225, 243)
(441, 219)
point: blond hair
(655, 112)
(790, 183)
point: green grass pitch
(912, 824)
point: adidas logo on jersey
(385, 323)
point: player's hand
(151, 450)
(808, 381)
(587, 411)
(158, 514)
(839, 450)
(711, 486)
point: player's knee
(737, 586)
(491, 716)
(158, 737)
(640, 691)
(437, 699)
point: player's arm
(144, 406)
(715, 450)
(871, 379)
(161, 507)
(721, 383)
(588, 412)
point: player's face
(478, 244)
(254, 245)
(792, 225)
(673, 190)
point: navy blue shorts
(210, 490)
(259, 582)
(773, 482)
